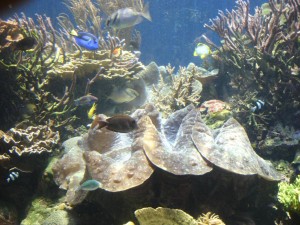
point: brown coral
(31, 139)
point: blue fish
(85, 40)
(90, 185)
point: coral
(279, 136)
(166, 216)
(10, 32)
(176, 91)
(215, 113)
(209, 218)
(289, 195)
(44, 212)
(126, 66)
(31, 139)
(60, 217)
(259, 56)
(38, 212)
(26, 72)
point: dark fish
(25, 44)
(127, 17)
(118, 123)
(85, 100)
(85, 40)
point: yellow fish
(91, 113)
(202, 50)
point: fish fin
(202, 56)
(195, 53)
(74, 33)
(132, 91)
(146, 12)
(99, 122)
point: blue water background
(169, 38)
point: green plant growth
(289, 195)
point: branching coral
(175, 91)
(29, 69)
(289, 195)
(261, 54)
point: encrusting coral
(167, 216)
(159, 216)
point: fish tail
(100, 123)
(146, 12)
(73, 33)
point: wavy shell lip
(178, 155)
(182, 145)
(230, 149)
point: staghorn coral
(289, 194)
(209, 218)
(260, 55)
(176, 91)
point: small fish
(122, 95)
(258, 106)
(90, 185)
(91, 112)
(85, 40)
(117, 52)
(85, 100)
(12, 176)
(25, 44)
(127, 17)
(118, 123)
(202, 50)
